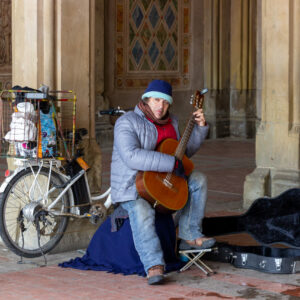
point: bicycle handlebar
(111, 112)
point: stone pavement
(226, 163)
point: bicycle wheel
(23, 210)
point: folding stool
(194, 256)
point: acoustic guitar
(167, 192)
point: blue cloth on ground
(115, 251)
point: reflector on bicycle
(82, 163)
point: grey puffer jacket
(134, 150)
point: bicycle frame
(81, 173)
(66, 186)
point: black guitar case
(269, 221)
(260, 258)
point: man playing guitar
(136, 137)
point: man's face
(158, 106)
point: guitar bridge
(167, 183)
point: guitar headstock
(197, 98)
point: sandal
(206, 244)
(155, 275)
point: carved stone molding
(261, 128)
(295, 129)
(5, 82)
(5, 33)
(5, 45)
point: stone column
(59, 43)
(277, 138)
(230, 62)
(53, 43)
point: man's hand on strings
(199, 117)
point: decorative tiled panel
(152, 41)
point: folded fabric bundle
(25, 107)
(23, 124)
(27, 133)
(20, 123)
(22, 115)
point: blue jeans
(142, 221)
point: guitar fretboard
(180, 150)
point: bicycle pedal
(99, 210)
(94, 219)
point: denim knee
(197, 180)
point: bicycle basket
(33, 123)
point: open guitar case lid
(269, 221)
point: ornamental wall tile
(149, 40)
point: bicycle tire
(16, 195)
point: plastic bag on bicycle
(79, 188)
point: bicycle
(42, 193)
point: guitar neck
(180, 150)
(198, 103)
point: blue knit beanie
(159, 89)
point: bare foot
(198, 242)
